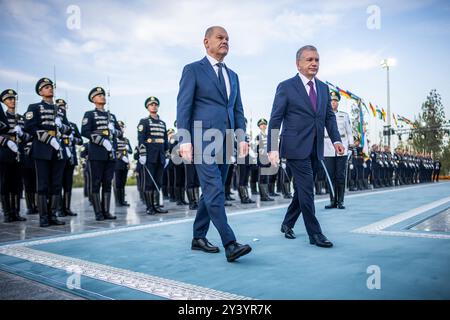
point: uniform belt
(66, 141)
(51, 133)
(150, 140)
(124, 152)
(12, 138)
(105, 132)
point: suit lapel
(209, 70)
(298, 84)
(319, 95)
(233, 88)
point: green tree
(445, 161)
(428, 133)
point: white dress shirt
(214, 63)
(305, 81)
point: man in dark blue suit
(302, 104)
(209, 103)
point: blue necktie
(222, 85)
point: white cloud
(346, 60)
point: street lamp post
(386, 64)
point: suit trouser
(101, 173)
(49, 175)
(303, 171)
(211, 206)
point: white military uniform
(345, 130)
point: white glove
(142, 159)
(69, 153)
(55, 144)
(166, 163)
(233, 159)
(283, 165)
(58, 122)
(13, 146)
(107, 145)
(125, 159)
(351, 167)
(111, 128)
(18, 130)
(364, 165)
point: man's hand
(339, 147)
(186, 151)
(13, 146)
(243, 149)
(274, 158)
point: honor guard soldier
(69, 140)
(436, 170)
(153, 146)
(263, 161)
(336, 164)
(122, 166)
(46, 125)
(12, 139)
(101, 128)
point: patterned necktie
(222, 85)
(312, 95)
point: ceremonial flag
(373, 109)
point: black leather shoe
(236, 250)
(204, 245)
(288, 232)
(320, 240)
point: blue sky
(143, 45)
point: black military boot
(172, 196)
(287, 187)
(106, 205)
(95, 198)
(43, 210)
(181, 201)
(29, 201)
(148, 196)
(340, 196)
(6, 204)
(165, 191)
(318, 188)
(197, 194)
(124, 202)
(333, 200)
(228, 196)
(55, 204)
(67, 199)
(264, 193)
(156, 205)
(191, 197)
(243, 195)
(272, 192)
(15, 208)
(253, 188)
(117, 199)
